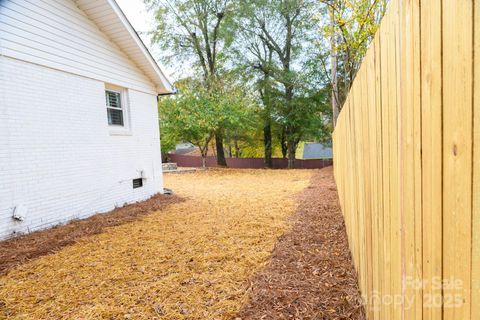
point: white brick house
(78, 113)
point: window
(115, 108)
(118, 113)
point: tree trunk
(235, 144)
(237, 150)
(283, 143)
(292, 147)
(214, 150)
(165, 157)
(333, 45)
(219, 146)
(267, 140)
(204, 153)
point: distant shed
(317, 151)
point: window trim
(115, 129)
(121, 108)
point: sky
(143, 22)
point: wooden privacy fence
(407, 163)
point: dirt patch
(310, 274)
(18, 250)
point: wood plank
(368, 124)
(405, 114)
(387, 282)
(417, 155)
(431, 73)
(354, 184)
(393, 144)
(379, 311)
(360, 172)
(373, 180)
(475, 314)
(410, 158)
(457, 155)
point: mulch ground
(310, 274)
(188, 261)
(34, 245)
(222, 249)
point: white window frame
(124, 102)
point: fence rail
(407, 166)
(252, 163)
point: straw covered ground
(190, 260)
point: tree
(278, 37)
(256, 69)
(195, 114)
(258, 61)
(351, 27)
(188, 116)
(334, 72)
(235, 109)
(196, 30)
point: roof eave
(163, 85)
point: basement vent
(137, 183)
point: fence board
(387, 283)
(379, 311)
(410, 185)
(407, 163)
(393, 143)
(431, 78)
(372, 211)
(476, 171)
(457, 141)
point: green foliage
(194, 33)
(189, 116)
(195, 114)
(354, 24)
(260, 69)
(277, 43)
(311, 119)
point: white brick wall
(57, 156)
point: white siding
(57, 156)
(57, 34)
